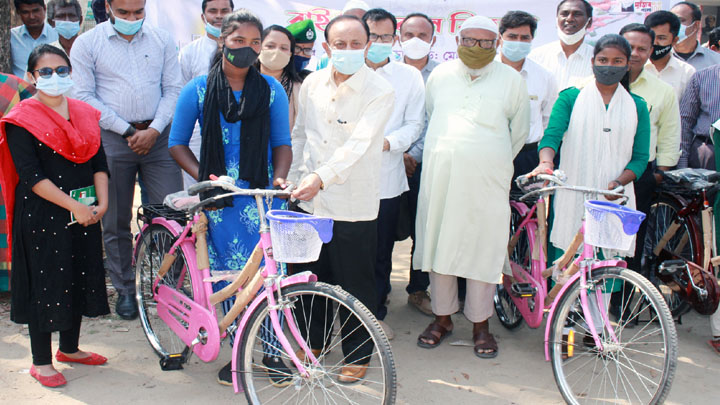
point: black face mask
(240, 57)
(659, 51)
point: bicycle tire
(154, 243)
(662, 213)
(507, 312)
(660, 355)
(254, 376)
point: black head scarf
(253, 109)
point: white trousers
(444, 297)
(715, 324)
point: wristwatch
(129, 132)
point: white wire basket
(611, 226)
(298, 237)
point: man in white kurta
(479, 118)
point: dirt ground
(448, 374)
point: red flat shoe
(93, 359)
(52, 381)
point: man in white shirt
(569, 58)
(33, 32)
(663, 64)
(417, 36)
(403, 128)
(195, 59)
(337, 148)
(517, 30)
(688, 47)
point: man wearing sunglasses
(130, 72)
(33, 32)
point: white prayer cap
(353, 4)
(480, 22)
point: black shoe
(225, 375)
(126, 307)
(278, 372)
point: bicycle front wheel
(339, 330)
(636, 364)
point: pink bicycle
(610, 335)
(178, 314)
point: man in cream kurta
(479, 118)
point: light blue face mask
(126, 27)
(67, 29)
(681, 33)
(516, 51)
(348, 61)
(378, 52)
(212, 30)
(54, 85)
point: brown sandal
(428, 335)
(484, 340)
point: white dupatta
(596, 149)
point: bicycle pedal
(523, 290)
(670, 267)
(172, 362)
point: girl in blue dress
(245, 135)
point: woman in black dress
(50, 145)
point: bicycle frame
(586, 258)
(195, 320)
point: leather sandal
(485, 341)
(428, 335)
(351, 374)
(714, 345)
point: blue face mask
(348, 61)
(126, 27)
(516, 51)
(54, 85)
(67, 29)
(212, 30)
(379, 52)
(300, 62)
(682, 34)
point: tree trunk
(6, 11)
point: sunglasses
(47, 72)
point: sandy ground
(448, 374)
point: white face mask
(572, 39)
(54, 85)
(415, 48)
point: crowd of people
(386, 147)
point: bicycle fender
(571, 281)
(300, 278)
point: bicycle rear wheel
(508, 313)
(662, 214)
(154, 243)
(346, 317)
(636, 368)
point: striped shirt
(567, 71)
(699, 108)
(127, 81)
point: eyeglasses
(387, 38)
(47, 72)
(305, 51)
(484, 43)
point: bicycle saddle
(692, 179)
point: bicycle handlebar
(228, 184)
(558, 178)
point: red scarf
(77, 140)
